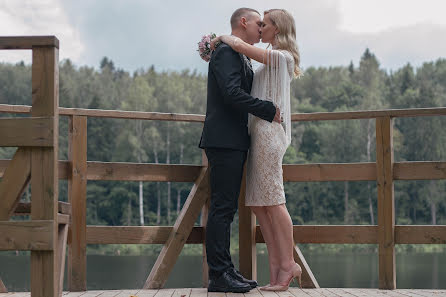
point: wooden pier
(292, 292)
(63, 225)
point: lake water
(423, 271)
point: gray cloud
(137, 34)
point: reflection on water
(423, 271)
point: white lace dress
(269, 141)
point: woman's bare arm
(237, 44)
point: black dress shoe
(235, 274)
(227, 283)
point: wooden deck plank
(126, 293)
(110, 293)
(297, 292)
(337, 292)
(284, 293)
(379, 293)
(416, 293)
(313, 292)
(146, 293)
(94, 293)
(292, 292)
(183, 292)
(164, 293)
(353, 292)
(328, 293)
(73, 294)
(253, 293)
(268, 293)
(199, 292)
(217, 294)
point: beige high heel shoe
(296, 274)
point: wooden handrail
(181, 117)
(368, 114)
(150, 172)
(27, 42)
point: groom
(226, 142)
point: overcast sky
(137, 34)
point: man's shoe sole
(232, 290)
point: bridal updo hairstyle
(286, 38)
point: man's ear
(243, 22)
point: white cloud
(43, 17)
(360, 16)
(140, 33)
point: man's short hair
(241, 12)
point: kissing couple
(248, 119)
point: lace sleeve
(279, 73)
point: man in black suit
(226, 142)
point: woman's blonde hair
(286, 38)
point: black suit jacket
(229, 102)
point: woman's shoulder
(282, 53)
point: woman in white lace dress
(269, 141)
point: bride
(264, 180)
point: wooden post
(44, 167)
(386, 203)
(77, 196)
(203, 222)
(247, 236)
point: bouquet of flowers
(204, 46)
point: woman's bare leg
(282, 228)
(268, 234)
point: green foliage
(322, 89)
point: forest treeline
(365, 86)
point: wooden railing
(77, 170)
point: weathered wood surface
(123, 171)
(420, 234)
(183, 226)
(292, 292)
(329, 172)
(36, 131)
(36, 235)
(330, 234)
(77, 196)
(296, 117)
(14, 182)
(3, 288)
(27, 42)
(60, 253)
(137, 235)
(142, 172)
(44, 165)
(419, 170)
(386, 203)
(368, 114)
(308, 278)
(25, 208)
